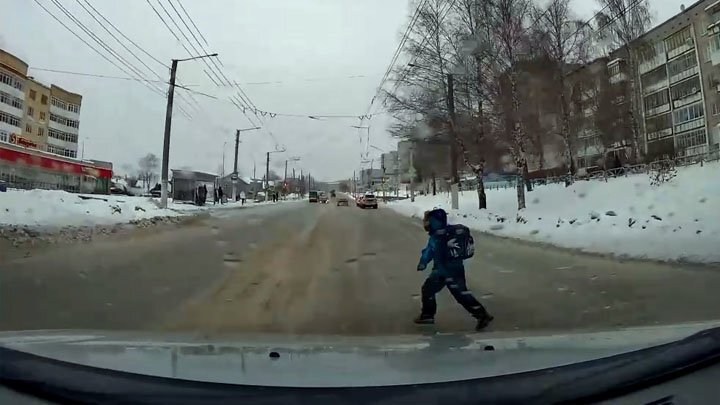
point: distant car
(119, 189)
(368, 201)
(313, 197)
(332, 194)
(323, 197)
(156, 191)
(343, 201)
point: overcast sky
(311, 47)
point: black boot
(483, 321)
(425, 320)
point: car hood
(326, 361)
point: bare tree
(509, 31)
(148, 166)
(565, 40)
(620, 22)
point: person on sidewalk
(221, 194)
(242, 197)
(446, 272)
(215, 195)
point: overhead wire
(122, 43)
(101, 54)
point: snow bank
(60, 208)
(626, 217)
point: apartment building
(64, 122)
(13, 72)
(679, 78)
(39, 128)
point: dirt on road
(299, 268)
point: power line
(122, 43)
(51, 14)
(193, 23)
(99, 76)
(148, 54)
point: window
(685, 88)
(61, 151)
(656, 99)
(688, 113)
(28, 128)
(682, 63)
(42, 116)
(41, 131)
(657, 124)
(9, 119)
(11, 81)
(614, 69)
(63, 136)
(73, 108)
(31, 111)
(10, 100)
(33, 95)
(43, 99)
(4, 136)
(654, 77)
(678, 39)
(691, 138)
(715, 109)
(58, 103)
(64, 121)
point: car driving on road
(323, 197)
(368, 201)
(343, 200)
(313, 197)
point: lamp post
(168, 124)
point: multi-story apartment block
(39, 131)
(676, 76)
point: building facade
(39, 133)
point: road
(320, 269)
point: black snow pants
(456, 284)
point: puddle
(351, 260)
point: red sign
(18, 140)
(50, 162)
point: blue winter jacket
(431, 252)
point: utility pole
(233, 177)
(412, 174)
(267, 171)
(453, 144)
(168, 124)
(166, 137)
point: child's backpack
(456, 243)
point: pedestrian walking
(447, 250)
(221, 194)
(242, 197)
(215, 195)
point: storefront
(28, 169)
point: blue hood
(437, 219)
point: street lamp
(168, 124)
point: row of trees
(489, 77)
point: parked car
(313, 196)
(323, 197)
(368, 201)
(342, 200)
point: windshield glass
(358, 168)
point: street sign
(234, 176)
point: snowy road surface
(322, 269)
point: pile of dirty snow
(56, 208)
(626, 217)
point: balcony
(64, 113)
(662, 84)
(686, 46)
(12, 91)
(686, 126)
(618, 78)
(650, 64)
(63, 144)
(657, 110)
(687, 100)
(54, 125)
(651, 136)
(7, 108)
(684, 75)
